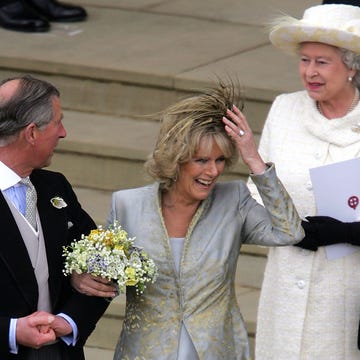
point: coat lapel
(53, 223)
(14, 254)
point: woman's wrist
(260, 169)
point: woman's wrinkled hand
(91, 285)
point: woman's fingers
(237, 127)
(236, 122)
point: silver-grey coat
(203, 295)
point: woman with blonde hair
(193, 227)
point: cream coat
(309, 305)
(203, 295)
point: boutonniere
(58, 202)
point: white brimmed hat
(332, 24)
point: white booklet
(337, 194)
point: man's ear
(30, 133)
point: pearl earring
(350, 78)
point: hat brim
(288, 37)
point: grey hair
(185, 124)
(352, 61)
(31, 103)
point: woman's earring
(350, 78)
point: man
(35, 15)
(32, 283)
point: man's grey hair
(31, 103)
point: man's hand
(88, 284)
(61, 326)
(35, 330)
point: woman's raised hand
(237, 127)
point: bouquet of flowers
(111, 254)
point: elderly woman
(193, 228)
(310, 304)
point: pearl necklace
(351, 107)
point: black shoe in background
(56, 11)
(16, 15)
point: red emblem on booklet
(353, 202)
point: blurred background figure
(36, 15)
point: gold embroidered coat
(203, 295)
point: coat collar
(339, 132)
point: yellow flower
(94, 233)
(131, 276)
(123, 235)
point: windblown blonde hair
(185, 124)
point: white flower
(58, 202)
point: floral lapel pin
(58, 202)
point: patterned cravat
(31, 199)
